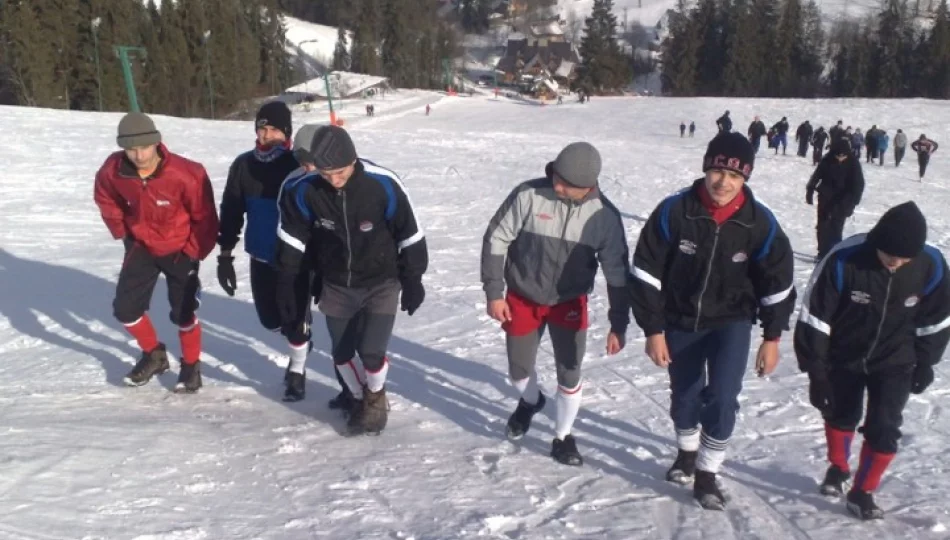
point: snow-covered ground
(83, 457)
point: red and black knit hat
(731, 152)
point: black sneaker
(861, 504)
(683, 468)
(834, 483)
(189, 378)
(520, 421)
(294, 386)
(354, 422)
(343, 401)
(706, 491)
(151, 363)
(565, 451)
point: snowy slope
(648, 12)
(311, 44)
(83, 457)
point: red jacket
(170, 211)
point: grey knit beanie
(578, 165)
(137, 129)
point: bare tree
(575, 24)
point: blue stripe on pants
(724, 353)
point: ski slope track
(82, 456)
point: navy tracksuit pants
(706, 375)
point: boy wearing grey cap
(161, 206)
(544, 245)
(366, 246)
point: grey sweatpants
(360, 321)
(569, 347)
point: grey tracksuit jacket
(547, 249)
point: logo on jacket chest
(860, 297)
(688, 247)
(740, 257)
(366, 226)
(912, 300)
(326, 224)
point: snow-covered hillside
(81, 456)
(648, 12)
(311, 45)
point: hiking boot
(565, 451)
(861, 504)
(375, 411)
(683, 468)
(189, 378)
(151, 363)
(520, 421)
(834, 482)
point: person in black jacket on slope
(875, 319)
(839, 181)
(366, 246)
(709, 262)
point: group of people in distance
(322, 223)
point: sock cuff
(688, 439)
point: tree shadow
(78, 306)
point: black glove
(923, 377)
(316, 287)
(820, 392)
(226, 276)
(809, 197)
(287, 299)
(127, 242)
(413, 293)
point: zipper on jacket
(880, 326)
(712, 257)
(349, 248)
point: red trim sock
(190, 337)
(839, 447)
(871, 469)
(144, 333)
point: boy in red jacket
(161, 206)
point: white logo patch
(366, 226)
(860, 297)
(740, 257)
(161, 202)
(912, 300)
(687, 247)
(327, 224)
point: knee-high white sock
(528, 388)
(568, 403)
(712, 453)
(375, 380)
(349, 375)
(298, 356)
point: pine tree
(604, 67)
(366, 37)
(742, 75)
(680, 53)
(707, 22)
(889, 46)
(938, 54)
(341, 54)
(31, 59)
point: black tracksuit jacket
(860, 317)
(691, 274)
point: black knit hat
(732, 152)
(327, 147)
(275, 114)
(840, 146)
(901, 231)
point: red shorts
(526, 316)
